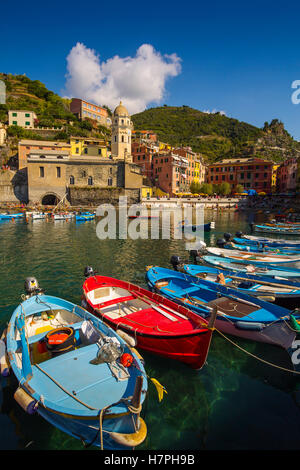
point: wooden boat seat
(232, 307)
(116, 301)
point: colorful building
(28, 146)
(26, 119)
(169, 172)
(83, 109)
(196, 171)
(88, 146)
(142, 154)
(287, 175)
(251, 173)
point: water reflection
(234, 402)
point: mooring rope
(256, 357)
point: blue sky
(239, 58)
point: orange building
(251, 173)
(83, 109)
(28, 146)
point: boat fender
(254, 326)
(28, 403)
(131, 440)
(126, 360)
(4, 364)
(267, 298)
(221, 279)
(127, 338)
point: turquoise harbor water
(235, 402)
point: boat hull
(190, 348)
(269, 326)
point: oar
(258, 281)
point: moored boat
(282, 292)
(71, 370)
(270, 241)
(238, 314)
(8, 216)
(236, 265)
(83, 216)
(276, 229)
(156, 324)
(267, 244)
(262, 259)
(62, 216)
(193, 227)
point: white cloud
(137, 81)
(214, 111)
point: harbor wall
(91, 196)
(13, 186)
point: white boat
(261, 259)
(64, 216)
(38, 215)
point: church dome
(121, 110)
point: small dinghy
(189, 228)
(260, 259)
(281, 292)
(266, 244)
(270, 241)
(238, 314)
(63, 216)
(84, 216)
(152, 322)
(277, 229)
(38, 215)
(76, 372)
(235, 265)
(263, 249)
(11, 216)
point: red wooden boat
(154, 324)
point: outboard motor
(175, 262)
(239, 234)
(194, 255)
(221, 242)
(227, 236)
(31, 286)
(88, 271)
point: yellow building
(164, 146)
(89, 146)
(274, 177)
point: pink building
(287, 175)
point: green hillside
(216, 136)
(51, 110)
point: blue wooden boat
(282, 292)
(70, 370)
(258, 259)
(193, 227)
(11, 216)
(263, 249)
(266, 243)
(238, 314)
(276, 229)
(235, 265)
(83, 216)
(270, 241)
